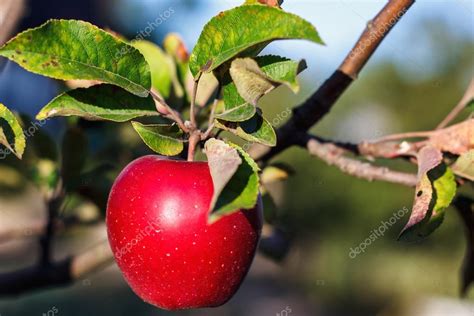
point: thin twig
(213, 111)
(334, 155)
(206, 134)
(210, 123)
(467, 97)
(172, 114)
(192, 114)
(321, 102)
(60, 273)
(422, 134)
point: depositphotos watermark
(138, 238)
(53, 311)
(275, 122)
(147, 31)
(378, 232)
(376, 34)
(285, 312)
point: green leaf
(163, 139)
(19, 142)
(175, 47)
(235, 178)
(435, 191)
(100, 102)
(71, 49)
(470, 105)
(464, 165)
(238, 114)
(256, 129)
(234, 31)
(251, 82)
(162, 67)
(280, 70)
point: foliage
(138, 79)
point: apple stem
(193, 141)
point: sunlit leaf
(232, 32)
(235, 178)
(174, 47)
(163, 139)
(71, 49)
(251, 82)
(100, 102)
(19, 142)
(256, 130)
(434, 192)
(162, 67)
(280, 70)
(238, 114)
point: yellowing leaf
(235, 178)
(163, 139)
(250, 80)
(434, 192)
(464, 165)
(71, 49)
(19, 143)
(99, 102)
(243, 28)
(162, 67)
(280, 71)
(256, 130)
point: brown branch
(467, 97)
(64, 272)
(321, 102)
(334, 155)
(60, 273)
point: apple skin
(157, 227)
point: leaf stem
(206, 134)
(192, 114)
(168, 112)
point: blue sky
(339, 23)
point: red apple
(168, 253)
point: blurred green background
(417, 76)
